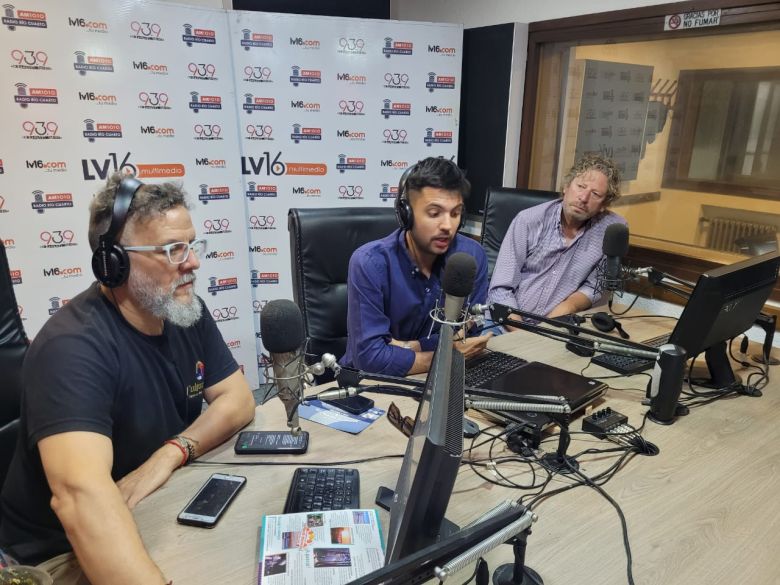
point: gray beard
(161, 303)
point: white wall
(226, 4)
(474, 13)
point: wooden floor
(706, 510)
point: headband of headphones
(124, 197)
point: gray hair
(149, 201)
(606, 166)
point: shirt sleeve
(480, 293)
(509, 264)
(367, 324)
(70, 385)
(588, 288)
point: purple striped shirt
(536, 270)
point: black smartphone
(265, 442)
(211, 501)
(353, 404)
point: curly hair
(149, 201)
(606, 166)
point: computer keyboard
(487, 367)
(323, 488)
(626, 365)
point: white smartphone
(211, 501)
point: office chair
(13, 346)
(502, 204)
(321, 244)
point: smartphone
(353, 404)
(211, 501)
(266, 442)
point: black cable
(623, 523)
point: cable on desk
(623, 523)
(306, 463)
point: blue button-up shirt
(389, 297)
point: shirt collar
(400, 239)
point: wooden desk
(705, 510)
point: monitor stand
(384, 499)
(721, 374)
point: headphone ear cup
(603, 322)
(404, 213)
(111, 266)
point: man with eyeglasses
(548, 258)
(112, 405)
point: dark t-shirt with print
(89, 370)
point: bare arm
(231, 407)
(92, 511)
(574, 303)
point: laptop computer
(534, 378)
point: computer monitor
(432, 457)
(725, 303)
(418, 567)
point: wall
(486, 12)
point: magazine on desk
(331, 547)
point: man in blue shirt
(395, 282)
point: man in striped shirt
(548, 259)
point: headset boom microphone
(281, 327)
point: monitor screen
(724, 304)
(432, 457)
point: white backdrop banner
(255, 113)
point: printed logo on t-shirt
(200, 374)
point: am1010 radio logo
(28, 18)
(207, 193)
(251, 39)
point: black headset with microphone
(403, 208)
(110, 261)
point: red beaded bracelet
(180, 447)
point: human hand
(153, 473)
(472, 346)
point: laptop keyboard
(487, 368)
(627, 365)
(323, 488)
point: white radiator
(723, 233)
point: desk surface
(705, 510)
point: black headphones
(606, 323)
(110, 262)
(403, 209)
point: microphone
(336, 394)
(614, 247)
(457, 282)
(281, 327)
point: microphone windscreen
(281, 326)
(616, 240)
(458, 279)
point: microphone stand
(667, 380)
(557, 462)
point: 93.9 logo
(57, 238)
(217, 225)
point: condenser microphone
(614, 247)
(457, 282)
(281, 327)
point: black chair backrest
(321, 244)
(502, 204)
(13, 346)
